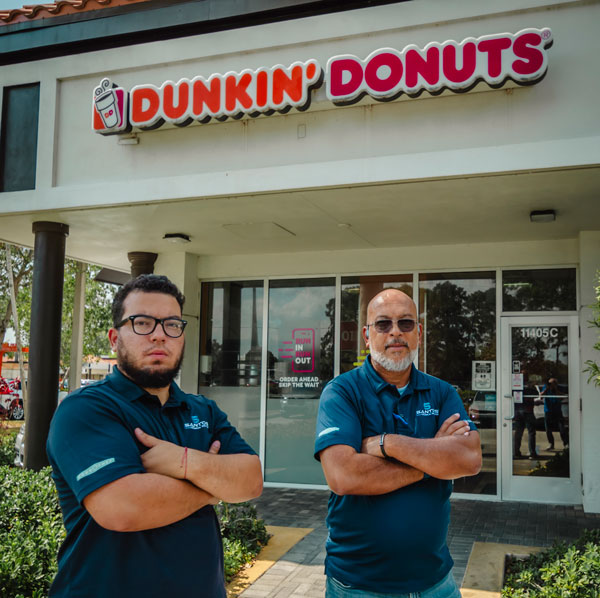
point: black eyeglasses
(383, 326)
(143, 325)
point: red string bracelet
(184, 462)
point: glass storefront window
(357, 291)
(458, 313)
(231, 352)
(300, 363)
(551, 289)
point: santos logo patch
(195, 424)
(427, 410)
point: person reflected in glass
(553, 416)
(525, 418)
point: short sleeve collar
(417, 381)
(130, 391)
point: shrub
(31, 532)
(563, 571)
(7, 446)
(244, 534)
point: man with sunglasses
(390, 440)
(138, 465)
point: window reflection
(458, 313)
(300, 347)
(231, 352)
(540, 393)
(357, 291)
(551, 289)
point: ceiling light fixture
(177, 238)
(542, 216)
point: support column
(44, 347)
(77, 332)
(142, 262)
(182, 269)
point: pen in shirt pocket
(401, 418)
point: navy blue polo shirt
(394, 542)
(92, 443)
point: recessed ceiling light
(542, 216)
(177, 237)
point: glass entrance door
(540, 409)
(299, 364)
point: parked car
(482, 409)
(11, 401)
(20, 439)
(20, 448)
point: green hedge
(7, 446)
(31, 532)
(563, 571)
(243, 535)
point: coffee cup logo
(109, 109)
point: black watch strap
(381, 440)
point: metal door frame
(531, 488)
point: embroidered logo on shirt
(195, 424)
(327, 431)
(427, 410)
(94, 468)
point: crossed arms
(161, 496)
(453, 452)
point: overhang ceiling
(436, 212)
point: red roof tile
(31, 12)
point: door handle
(512, 405)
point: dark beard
(148, 378)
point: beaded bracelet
(184, 462)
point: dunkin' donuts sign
(383, 75)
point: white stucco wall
(487, 131)
(589, 248)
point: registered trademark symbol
(545, 34)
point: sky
(6, 4)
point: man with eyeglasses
(138, 465)
(390, 440)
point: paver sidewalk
(299, 573)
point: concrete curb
(485, 570)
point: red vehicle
(11, 400)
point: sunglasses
(386, 325)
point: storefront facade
(305, 164)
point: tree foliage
(593, 369)
(22, 266)
(460, 328)
(97, 313)
(97, 309)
